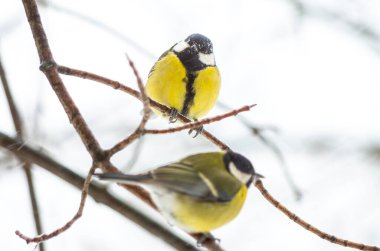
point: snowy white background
(313, 78)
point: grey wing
(183, 178)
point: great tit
(186, 78)
(198, 193)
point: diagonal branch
(122, 144)
(119, 86)
(358, 27)
(339, 241)
(11, 103)
(68, 224)
(26, 165)
(144, 97)
(141, 127)
(285, 170)
(258, 132)
(200, 122)
(100, 194)
(49, 68)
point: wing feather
(193, 178)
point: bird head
(195, 52)
(240, 167)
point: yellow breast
(167, 85)
(201, 217)
(206, 88)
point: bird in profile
(198, 193)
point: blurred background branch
(27, 166)
(317, 86)
(359, 27)
(97, 192)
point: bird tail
(123, 178)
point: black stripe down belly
(190, 92)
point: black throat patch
(190, 92)
(189, 57)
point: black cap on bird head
(195, 52)
(240, 167)
(202, 43)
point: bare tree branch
(11, 103)
(258, 132)
(359, 27)
(200, 122)
(68, 224)
(49, 68)
(119, 86)
(99, 193)
(26, 165)
(280, 156)
(146, 114)
(339, 241)
(100, 158)
(122, 144)
(144, 97)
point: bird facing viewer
(186, 78)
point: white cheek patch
(243, 177)
(180, 46)
(207, 59)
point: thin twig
(99, 193)
(144, 96)
(254, 128)
(346, 243)
(68, 224)
(11, 103)
(359, 27)
(125, 142)
(258, 132)
(33, 199)
(51, 74)
(288, 177)
(200, 122)
(49, 68)
(122, 144)
(17, 121)
(119, 86)
(146, 114)
(136, 152)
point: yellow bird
(198, 193)
(186, 78)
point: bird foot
(204, 237)
(198, 130)
(173, 113)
